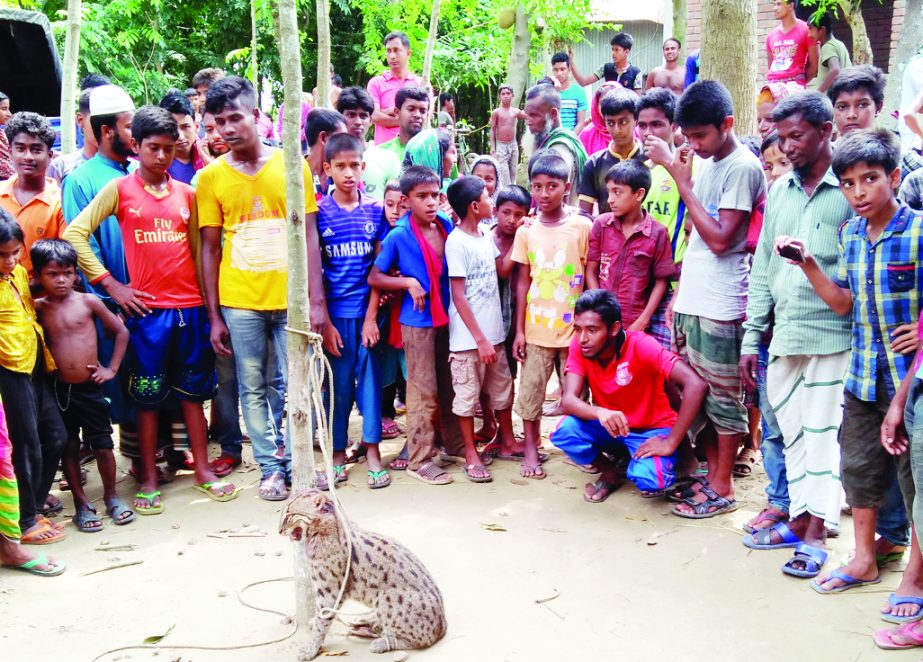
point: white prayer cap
(109, 100)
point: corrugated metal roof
(607, 11)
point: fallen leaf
(492, 527)
(158, 637)
(334, 653)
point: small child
(351, 226)
(879, 265)
(504, 124)
(168, 324)
(630, 253)
(551, 253)
(395, 202)
(477, 358)
(487, 170)
(775, 163)
(69, 319)
(416, 247)
(512, 207)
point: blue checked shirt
(884, 277)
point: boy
(186, 160)
(620, 69)
(878, 267)
(857, 95)
(791, 52)
(416, 247)
(775, 163)
(381, 166)
(618, 111)
(351, 226)
(513, 204)
(35, 425)
(33, 199)
(551, 253)
(573, 97)
(477, 359)
(170, 347)
(69, 319)
(707, 320)
(834, 55)
(629, 252)
(504, 125)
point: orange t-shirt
(40, 218)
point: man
(384, 87)
(834, 55)
(446, 119)
(810, 343)
(620, 69)
(186, 158)
(381, 166)
(626, 372)
(573, 97)
(672, 75)
(792, 54)
(242, 222)
(203, 80)
(321, 124)
(543, 119)
(411, 105)
(64, 164)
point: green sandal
(379, 479)
(339, 476)
(206, 489)
(150, 509)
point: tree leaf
(492, 527)
(158, 637)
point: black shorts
(85, 410)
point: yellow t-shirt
(557, 260)
(20, 332)
(251, 210)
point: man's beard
(120, 148)
(543, 134)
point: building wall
(646, 53)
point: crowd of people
(700, 296)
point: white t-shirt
(474, 259)
(715, 286)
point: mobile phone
(791, 253)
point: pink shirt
(383, 89)
(789, 53)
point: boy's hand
(204, 154)
(658, 151)
(417, 293)
(129, 299)
(747, 366)
(783, 243)
(904, 339)
(370, 333)
(614, 421)
(680, 166)
(100, 374)
(655, 446)
(519, 348)
(487, 352)
(220, 338)
(893, 433)
(332, 341)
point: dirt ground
(566, 580)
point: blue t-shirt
(182, 172)
(573, 100)
(400, 250)
(347, 241)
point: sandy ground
(632, 581)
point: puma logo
(136, 212)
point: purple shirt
(383, 89)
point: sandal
(895, 600)
(34, 538)
(604, 486)
(339, 476)
(116, 508)
(585, 468)
(813, 559)
(885, 638)
(848, 582)
(357, 450)
(401, 462)
(55, 507)
(208, 490)
(41, 559)
(272, 487)
(431, 474)
(533, 471)
(390, 429)
(224, 465)
(477, 473)
(379, 479)
(684, 488)
(150, 508)
(762, 539)
(85, 517)
(713, 505)
(766, 514)
(743, 465)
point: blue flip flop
(813, 558)
(896, 600)
(760, 539)
(848, 583)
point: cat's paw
(308, 652)
(380, 645)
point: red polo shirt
(633, 381)
(628, 266)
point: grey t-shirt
(64, 164)
(474, 259)
(715, 286)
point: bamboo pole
(254, 60)
(69, 76)
(431, 42)
(300, 424)
(323, 54)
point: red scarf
(434, 271)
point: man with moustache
(543, 119)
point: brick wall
(883, 22)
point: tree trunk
(323, 54)
(517, 69)
(431, 42)
(254, 61)
(911, 37)
(300, 423)
(730, 55)
(69, 77)
(679, 21)
(861, 46)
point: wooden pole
(517, 69)
(300, 430)
(69, 76)
(323, 54)
(254, 44)
(431, 42)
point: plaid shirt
(884, 277)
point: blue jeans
(227, 401)
(255, 334)
(772, 444)
(356, 379)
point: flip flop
(599, 485)
(46, 526)
(390, 430)
(813, 558)
(151, 509)
(704, 510)
(339, 476)
(537, 472)
(379, 479)
(115, 508)
(761, 539)
(884, 638)
(403, 457)
(469, 473)
(849, 582)
(85, 516)
(224, 465)
(895, 600)
(41, 559)
(206, 489)
(767, 514)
